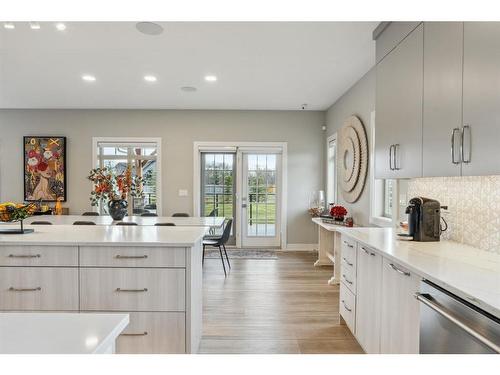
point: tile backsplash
(473, 207)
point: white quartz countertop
(470, 273)
(103, 234)
(59, 333)
(213, 221)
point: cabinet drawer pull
(347, 262)
(348, 244)
(131, 290)
(24, 256)
(367, 252)
(396, 157)
(465, 128)
(346, 279)
(453, 132)
(345, 306)
(135, 334)
(405, 273)
(131, 256)
(12, 289)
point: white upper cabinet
(399, 99)
(481, 99)
(442, 116)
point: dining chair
(41, 223)
(165, 224)
(180, 214)
(90, 213)
(126, 223)
(149, 214)
(220, 243)
(82, 222)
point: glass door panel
(260, 208)
(218, 186)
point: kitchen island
(60, 333)
(152, 273)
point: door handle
(132, 290)
(12, 289)
(453, 132)
(462, 152)
(390, 158)
(396, 157)
(404, 273)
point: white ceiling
(271, 66)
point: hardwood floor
(275, 306)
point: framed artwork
(44, 163)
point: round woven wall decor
(353, 158)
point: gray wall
(359, 101)
(178, 130)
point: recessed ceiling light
(34, 26)
(9, 25)
(60, 26)
(149, 28)
(150, 78)
(210, 78)
(88, 78)
(189, 88)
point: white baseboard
(301, 247)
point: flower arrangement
(108, 186)
(16, 211)
(338, 212)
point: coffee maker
(424, 219)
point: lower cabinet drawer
(153, 333)
(38, 288)
(132, 289)
(38, 256)
(347, 307)
(348, 277)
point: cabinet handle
(24, 256)
(367, 252)
(453, 132)
(464, 129)
(348, 244)
(12, 289)
(131, 256)
(346, 279)
(135, 334)
(131, 290)
(405, 273)
(396, 157)
(390, 158)
(345, 306)
(349, 264)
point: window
(388, 198)
(142, 157)
(331, 170)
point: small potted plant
(338, 213)
(114, 189)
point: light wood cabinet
(400, 312)
(39, 288)
(132, 289)
(38, 256)
(442, 117)
(399, 100)
(109, 256)
(368, 304)
(153, 333)
(481, 98)
(347, 307)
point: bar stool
(165, 224)
(180, 214)
(149, 214)
(126, 223)
(90, 213)
(41, 223)
(220, 243)
(82, 222)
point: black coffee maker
(424, 219)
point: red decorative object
(338, 212)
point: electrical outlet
(183, 193)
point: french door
(260, 199)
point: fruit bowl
(16, 212)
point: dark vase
(118, 209)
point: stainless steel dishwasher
(449, 324)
